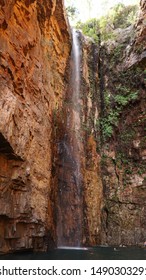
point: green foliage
(133, 96)
(111, 119)
(120, 16)
(72, 12)
(107, 128)
(90, 28)
(123, 100)
(108, 122)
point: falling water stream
(69, 217)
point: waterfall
(69, 215)
(76, 73)
(75, 124)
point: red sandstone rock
(34, 50)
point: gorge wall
(34, 52)
(35, 66)
(123, 136)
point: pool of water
(95, 253)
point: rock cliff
(34, 52)
(123, 121)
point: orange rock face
(34, 50)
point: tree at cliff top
(120, 16)
(88, 9)
(72, 12)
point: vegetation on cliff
(120, 16)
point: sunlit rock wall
(34, 50)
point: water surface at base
(96, 253)
(72, 248)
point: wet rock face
(34, 50)
(77, 173)
(93, 188)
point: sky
(95, 8)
